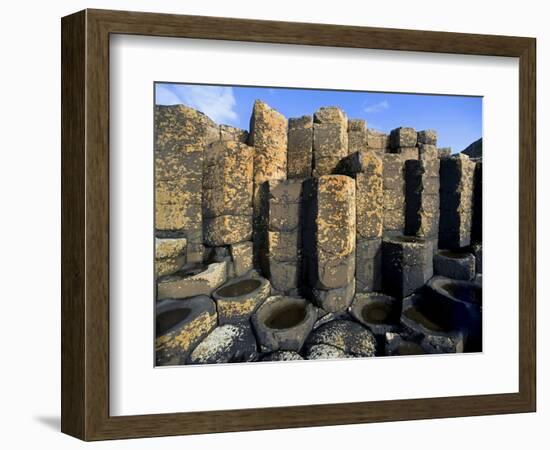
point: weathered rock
(180, 325)
(422, 197)
(378, 141)
(444, 152)
(283, 323)
(349, 337)
(428, 152)
(456, 192)
(169, 255)
(228, 133)
(192, 281)
(181, 135)
(460, 266)
(477, 250)
(357, 135)
(226, 344)
(477, 212)
(368, 265)
(394, 193)
(330, 140)
(378, 312)
(329, 236)
(427, 137)
(242, 256)
(403, 137)
(325, 351)
(334, 300)
(398, 345)
(227, 229)
(300, 147)
(281, 356)
(239, 298)
(407, 263)
(195, 253)
(408, 153)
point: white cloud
(377, 107)
(217, 102)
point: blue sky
(458, 120)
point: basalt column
(456, 193)
(281, 258)
(227, 193)
(329, 240)
(300, 147)
(422, 190)
(181, 135)
(403, 141)
(394, 193)
(268, 135)
(330, 139)
(366, 168)
(357, 135)
(477, 203)
(378, 142)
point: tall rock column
(394, 193)
(268, 135)
(227, 193)
(378, 142)
(330, 139)
(403, 140)
(422, 190)
(181, 135)
(300, 147)
(357, 135)
(366, 168)
(329, 240)
(282, 259)
(456, 193)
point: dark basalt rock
(180, 325)
(283, 323)
(226, 344)
(281, 356)
(450, 264)
(350, 337)
(378, 312)
(335, 300)
(403, 345)
(325, 351)
(238, 299)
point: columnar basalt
(394, 193)
(227, 193)
(281, 259)
(377, 141)
(300, 147)
(477, 212)
(403, 141)
(330, 139)
(357, 135)
(456, 194)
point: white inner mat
(136, 387)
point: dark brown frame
(85, 224)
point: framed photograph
(272, 225)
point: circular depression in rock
(168, 319)
(429, 319)
(380, 312)
(287, 316)
(239, 288)
(186, 271)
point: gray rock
(334, 300)
(325, 351)
(281, 356)
(192, 280)
(460, 266)
(427, 137)
(403, 137)
(350, 337)
(300, 147)
(378, 312)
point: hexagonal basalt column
(456, 192)
(300, 147)
(180, 325)
(227, 193)
(378, 142)
(407, 263)
(283, 323)
(330, 140)
(459, 266)
(169, 255)
(329, 233)
(357, 135)
(394, 193)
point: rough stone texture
(169, 255)
(350, 337)
(478, 253)
(460, 266)
(402, 137)
(180, 325)
(422, 197)
(280, 252)
(181, 135)
(456, 193)
(477, 213)
(394, 193)
(268, 135)
(407, 153)
(300, 147)
(445, 152)
(378, 141)
(228, 133)
(283, 323)
(242, 256)
(183, 286)
(334, 300)
(329, 234)
(325, 351)
(368, 265)
(407, 264)
(357, 135)
(428, 152)
(427, 137)
(227, 193)
(237, 300)
(330, 140)
(226, 344)
(378, 312)
(281, 356)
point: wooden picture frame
(85, 224)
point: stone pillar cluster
(330, 140)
